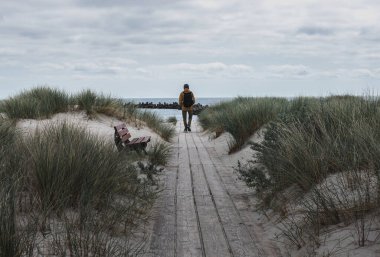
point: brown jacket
(181, 100)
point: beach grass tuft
(172, 119)
(73, 188)
(92, 102)
(69, 167)
(43, 102)
(157, 124)
(320, 154)
(13, 240)
(159, 153)
(40, 102)
(241, 117)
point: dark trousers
(187, 123)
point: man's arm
(180, 100)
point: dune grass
(172, 119)
(13, 240)
(8, 246)
(68, 167)
(159, 153)
(317, 137)
(326, 151)
(157, 124)
(76, 190)
(40, 102)
(43, 102)
(64, 191)
(93, 103)
(241, 117)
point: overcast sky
(150, 48)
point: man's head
(186, 86)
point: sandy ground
(244, 155)
(101, 125)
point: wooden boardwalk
(204, 210)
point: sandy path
(204, 210)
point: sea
(166, 113)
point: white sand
(244, 155)
(101, 125)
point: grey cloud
(201, 70)
(372, 34)
(169, 39)
(315, 31)
(102, 3)
(289, 71)
(100, 66)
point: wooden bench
(122, 139)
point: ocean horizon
(201, 100)
(166, 113)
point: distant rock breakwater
(197, 108)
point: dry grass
(328, 149)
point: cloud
(102, 66)
(213, 69)
(129, 42)
(315, 31)
(289, 71)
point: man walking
(186, 101)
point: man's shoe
(185, 130)
(189, 129)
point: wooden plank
(236, 232)
(125, 137)
(163, 238)
(183, 157)
(184, 187)
(120, 126)
(133, 141)
(192, 148)
(216, 185)
(243, 207)
(123, 132)
(139, 140)
(200, 184)
(188, 239)
(214, 241)
(146, 139)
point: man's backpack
(188, 99)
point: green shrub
(40, 102)
(320, 156)
(86, 101)
(159, 153)
(92, 102)
(172, 119)
(68, 167)
(241, 117)
(314, 138)
(2, 108)
(13, 240)
(156, 123)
